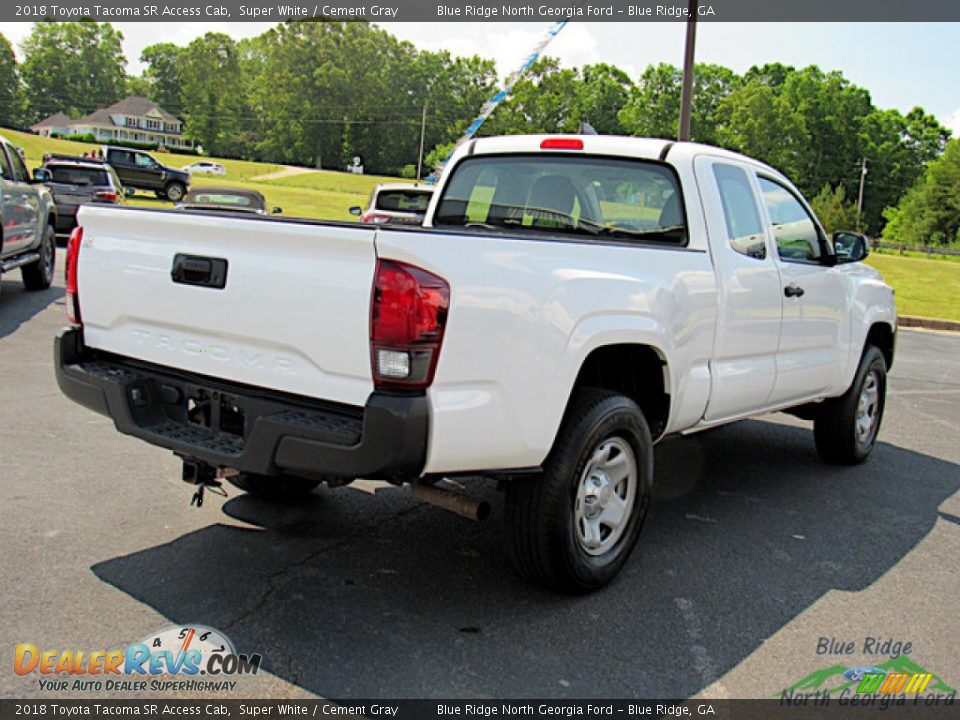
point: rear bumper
(248, 429)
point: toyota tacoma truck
(28, 218)
(569, 302)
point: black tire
(835, 428)
(545, 528)
(174, 191)
(38, 275)
(280, 487)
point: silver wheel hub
(606, 495)
(868, 407)
(47, 254)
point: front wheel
(573, 527)
(39, 274)
(281, 487)
(845, 428)
(174, 192)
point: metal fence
(928, 250)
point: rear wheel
(38, 275)
(845, 428)
(280, 487)
(573, 527)
(174, 192)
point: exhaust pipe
(465, 506)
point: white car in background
(396, 203)
(205, 167)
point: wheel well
(881, 336)
(637, 371)
(52, 220)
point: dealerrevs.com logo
(184, 652)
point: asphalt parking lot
(752, 552)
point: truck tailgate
(293, 313)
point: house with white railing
(133, 119)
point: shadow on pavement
(350, 595)
(17, 305)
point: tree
(929, 213)
(602, 94)
(832, 109)
(138, 85)
(757, 122)
(897, 148)
(834, 211)
(543, 101)
(72, 67)
(213, 110)
(10, 96)
(653, 109)
(163, 75)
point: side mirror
(276, 211)
(129, 192)
(850, 246)
(41, 175)
(356, 210)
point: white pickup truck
(569, 302)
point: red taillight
(70, 274)
(107, 196)
(375, 218)
(407, 319)
(561, 143)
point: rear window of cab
(585, 196)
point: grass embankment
(325, 194)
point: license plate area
(216, 411)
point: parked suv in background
(74, 182)
(139, 170)
(28, 216)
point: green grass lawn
(324, 195)
(926, 288)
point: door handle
(793, 291)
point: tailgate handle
(200, 271)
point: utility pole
(423, 131)
(863, 179)
(686, 90)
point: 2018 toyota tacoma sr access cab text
(570, 301)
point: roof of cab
(405, 186)
(611, 145)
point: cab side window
(5, 172)
(19, 169)
(121, 157)
(796, 233)
(744, 227)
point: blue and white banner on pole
(490, 105)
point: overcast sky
(902, 64)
